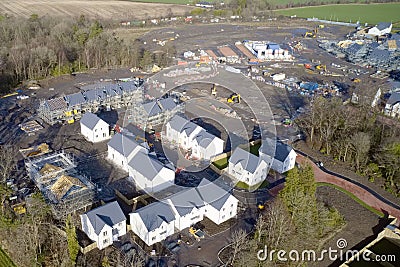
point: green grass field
(221, 163)
(5, 261)
(372, 13)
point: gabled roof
(186, 200)
(155, 214)
(212, 194)
(146, 165)
(383, 25)
(354, 48)
(204, 139)
(58, 103)
(248, 161)
(90, 120)
(280, 152)
(180, 124)
(159, 105)
(109, 214)
(75, 99)
(177, 122)
(123, 144)
(380, 55)
(64, 185)
(394, 98)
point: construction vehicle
(321, 67)
(321, 26)
(214, 90)
(356, 80)
(312, 34)
(234, 98)
(197, 233)
(198, 64)
(260, 206)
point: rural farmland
(363, 13)
(100, 9)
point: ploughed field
(102, 9)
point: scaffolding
(155, 113)
(63, 187)
(92, 98)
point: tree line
(357, 136)
(39, 47)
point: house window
(97, 136)
(104, 134)
(223, 216)
(95, 130)
(223, 209)
(105, 233)
(120, 224)
(230, 213)
(163, 232)
(153, 238)
(195, 217)
(232, 205)
(105, 241)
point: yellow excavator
(321, 67)
(214, 90)
(312, 34)
(234, 98)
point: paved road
(363, 192)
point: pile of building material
(267, 51)
(35, 151)
(31, 127)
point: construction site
(65, 189)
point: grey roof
(146, 165)
(90, 120)
(212, 194)
(58, 103)
(177, 122)
(123, 144)
(383, 25)
(380, 55)
(159, 105)
(75, 99)
(186, 200)
(394, 98)
(109, 214)
(248, 161)
(354, 48)
(180, 124)
(204, 138)
(155, 214)
(94, 95)
(281, 150)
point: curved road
(363, 192)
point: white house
(105, 224)
(121, 150)
(153, 223)
(392, 107)
(279, 156)
(150, 174)
(206, 145)
(188, 208)
(247, 168)
(381, 29)
(93, 128)
(220, 205)
(191, 136)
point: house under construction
(92, 98)
(64, 188)
(155, 113)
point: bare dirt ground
(101, 9)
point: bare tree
(7, 161)
(238, 244)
